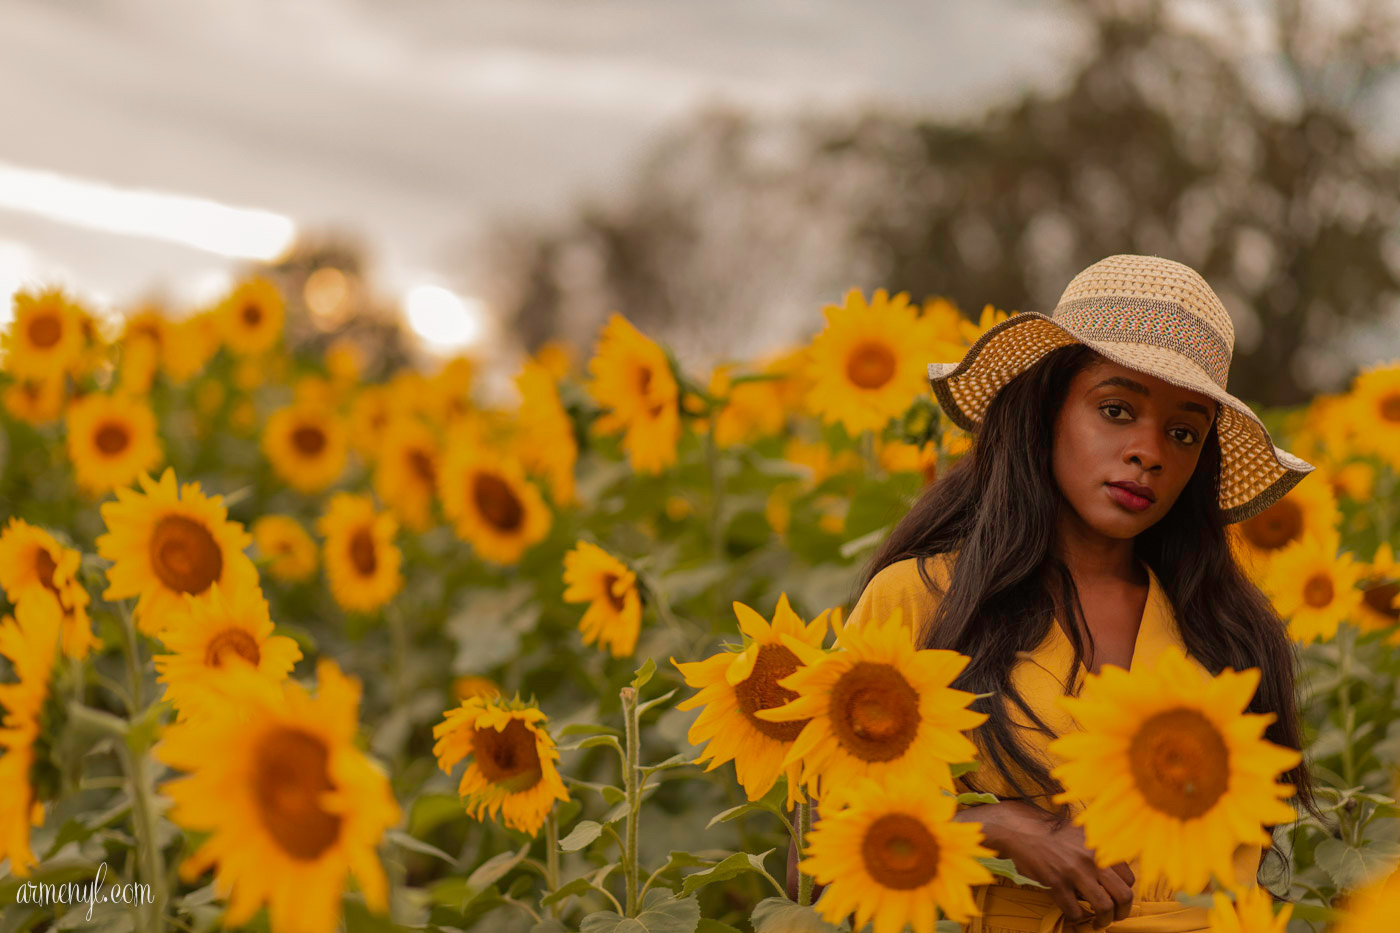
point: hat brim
(1255, 473)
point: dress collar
(1156, 632)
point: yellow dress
(1040, 678)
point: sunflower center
(184, 555)
(309, 440)
(1180, 763)
(508, 757)
(422, 466)
(1381, 597)
(45, 330)
(1318, 591)
(362, 553)
(1390, 407)
(231, 641)
(618, 603)
(290, 774)
(874, 712)
(111, 438)
(1274, 527)
(900, 852)
(870, 365)
(760, 690)
(497, 502)
(252, 315)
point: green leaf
(972, 799)
(577, 887)
(594, 742)
(780, 915)
(644, 674)
(584, 833)
(736, 864)
(1350, 867)
(714, 926)
(642, 708)
(495, 868)
(549, 925)
(417, 845)
(962, 767)
(661, 913)
(587, 728)
(675, 761)
(1007, 869)
(743, 809)
(1315, 913)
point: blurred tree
(1235, 143)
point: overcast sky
(416, 122)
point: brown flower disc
(760, 690)
(899, 852)
(1180, 763)
(290, 774)
(184, 555)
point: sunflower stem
(132, 646)
(716, 494)
(804, 827)
(551, 856)
(143, 813)
(632, 778)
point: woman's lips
(1126, 499)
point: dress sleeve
(899, 586)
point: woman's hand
(1057, 858)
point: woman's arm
(1056, 856)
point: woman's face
(1118, 425)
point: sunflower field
(294, 644)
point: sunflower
(290, 552)
(1252, 911)
(734, 686)
(614, 616)
(449, 391)
(870, 362)
(1375, 408)
(362, 561)
(111, 440)
(345, 362)
(546, 442)
(405, 471)
(251, 316)
(491, 504)
(34, 566)
(876, 708)
(209, 634)
(370, 414)
(751, 410)
(35, 401)
(288, 801)
(1314, 587)
(899, 457)
(1308, 508)
(306, 445)
(557, 357)
(166, 541)
(1379, 609)
(1171, 770)
(464, 688)
(30, 642)
(190, 343)
(45, 338)
(1373, 907)
(513, 768)
(892, 854)
(632, 380)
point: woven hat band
(1155, 321)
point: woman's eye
(1190, 436)
(1109, 409)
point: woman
(1086, 526)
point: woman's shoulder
(900, 585)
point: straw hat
(1150, 314)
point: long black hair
(997, 508)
